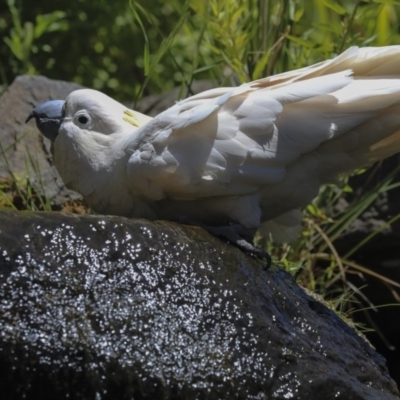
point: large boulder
(24, 153)
(110, 308)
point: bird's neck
(87, 162)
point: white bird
(252, 155)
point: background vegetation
(129, 49)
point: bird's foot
(238, 235)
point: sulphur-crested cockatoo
(251, 155)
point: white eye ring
(83, 119)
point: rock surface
(111, 308)
(24, 152)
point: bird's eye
(82, 119)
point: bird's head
(88, 131)
(85, 110)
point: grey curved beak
(48, 117)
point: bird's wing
(229, 144)
(235, 141)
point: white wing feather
(233, 143)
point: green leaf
(335, 6)
(302, 42)
(146, 52)
(392, 2)
(260, 67)
(50, 23)
(333, 26)
(383, 24)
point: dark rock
(24, 152)
(111, 308)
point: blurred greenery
(131, 48)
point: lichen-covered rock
(109, 308)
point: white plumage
(253, 154)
